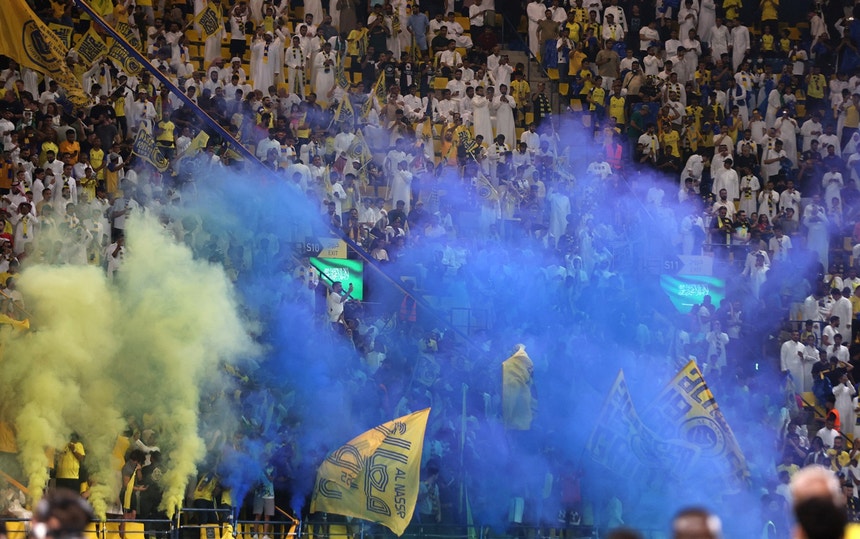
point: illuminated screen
(343, 270)
(687, 290)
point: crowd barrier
(311, 529)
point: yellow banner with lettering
(120, 55)
(625, 446)
(375, 476)
(688, 404)
(91, 47)
(210, 20)
(146, 149)
(63, 32)
(32, 44)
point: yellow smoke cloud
(60, 372)
(145, 344)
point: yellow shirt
(670, 142)
(616, 108)
(852, 117)
(97, 157)
(119, 106)
(575, 66)
(353, 39)
(575, 30)
(68, 465)
(119, 449)
(696, 112)
(692, 138)
(586, 76)
(598, 98)
(520, 91)
(731, 8)
(768, 10)
(702, 77)
(767, 42)
(855, 305)
(816, 86)
(205, 489)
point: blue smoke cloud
(308, 392)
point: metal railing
(316, 528)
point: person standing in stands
(69, 464)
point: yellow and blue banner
(688, 405)
(210, 20)
(624, 445)
(376, 475)
(146, 148)
(25, 38)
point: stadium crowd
(419, 141)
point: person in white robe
(707, 19)
(294, 60)
(842, 308)
(401, 185)
(786, 130)
(811, 356)
(314, 7)
(559, 210)
(324, 66)
(719, 39)
(791, 360)
(265, 62)
(481, 122)
(535, 11)
(717, 340)
(740, 43)
(833, 182)
(844, 393)
(504, 106)
(774, 105)
(818, 235)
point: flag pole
(463, 447)
(210, 122)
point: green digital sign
(344, 270)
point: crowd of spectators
(724, 129)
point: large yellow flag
(379, 91)
(63, 32)
(375, 476)
(687, 404)
(91, 47)
(198, 143)
(358, 150)
(32, 44)
(146, 148)
(624, 445)
(344, 112)
(210, 20)
(102, 7)
(517, 402)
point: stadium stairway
(535, 74)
